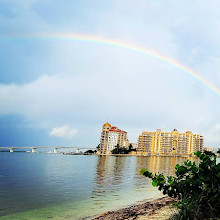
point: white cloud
(133, 102)
(101, 83)
(64, 132)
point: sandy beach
(156, 209)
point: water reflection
(162, 164)
(115, 175)
(165, 165)
(108, 179)
(82, 185)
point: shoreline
(143, 155)
(155, 209)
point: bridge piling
(33, 150)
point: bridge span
(34, 149)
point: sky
(55, 92)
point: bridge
(34, 149)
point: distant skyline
(61, 92)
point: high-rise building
(112, 136)
(208, 149)
(169, 143)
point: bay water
(57, 186)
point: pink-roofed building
(110, 137)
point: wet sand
(155, 209)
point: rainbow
(83, 38)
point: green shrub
(197, 188)
(120, 150)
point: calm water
(42, 186)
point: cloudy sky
(59, 92)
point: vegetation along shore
(194, 193)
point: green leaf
(196, 187)
(177, 166)
(170, 179)
(198, 153)
(142, 171)
(155, 182)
